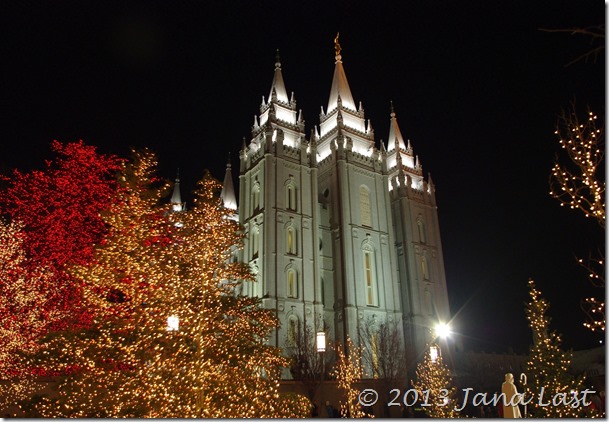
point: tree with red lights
(130, 363)
(60, 208)
(53, 222)
(126, 284)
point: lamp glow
(173, 323)
(442, 330)
(434, 352)
(321, 341)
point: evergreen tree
(217, 363)
(55, 221)
(153, 265)
(22, 312)
(125, 286)
(548, 365)
(434, 386)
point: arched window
(291, 240)
(364, 206)
(370, 276)
(292, 334)
(323, 292)
(425, 267)
(422, 234)
(255, 240)
(256, 197)
(290, 196)
(292, 283)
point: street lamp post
(321, 348)
(434, 353)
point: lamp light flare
(442, 330)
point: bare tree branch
(307, 365)
(595, 33)
(592, 307)
(576, 181)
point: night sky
(476, 86)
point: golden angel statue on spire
(336, 44)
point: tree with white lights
(348, 370)
(577, 182)
(434, 385)
(217, 363)
(125, 287)
(22, 312)
(548, 365)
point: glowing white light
(442, 330)
(434, 352)
(286, 115)
(173, 323)
(321, 341)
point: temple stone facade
(339, 233)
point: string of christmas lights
(212, 361)
(434, 385)
(576, 183)
(22, 307)
(348, 370)
(548, 365)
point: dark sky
(476, 87)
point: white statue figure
(509, 390)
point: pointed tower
(176, 199)
(278, 210)
(340, 235)
(397, 149)
(278, 113)
(342, 113)
(357, 264)
(419, 250)
(229, 200)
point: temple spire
(228, 192)
(395, 135)
(340, 86)
(176, 198)
(278, 85)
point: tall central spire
(342, 116)
(340, 86)
(278, 86)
